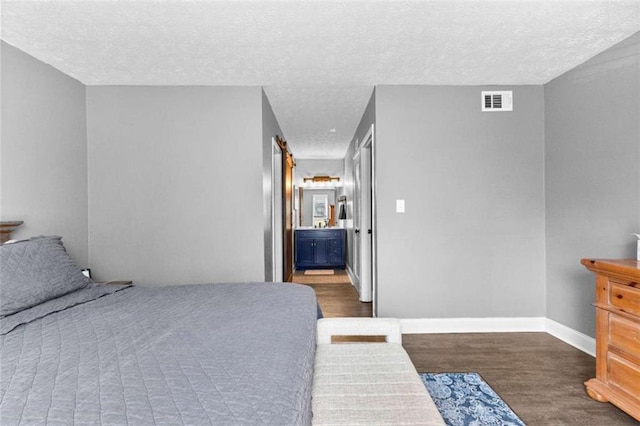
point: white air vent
(497, 101)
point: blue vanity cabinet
(322, 248)
(303, 251)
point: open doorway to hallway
(334, 227)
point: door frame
(357, 215)
(368, 146)
(277, 257)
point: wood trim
(321, 179)
(285, 148)
(332, 215)
(625, 269)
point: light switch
(399, 206)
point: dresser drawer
(624, 334)
(624, 297)
(624, 375)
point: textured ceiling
(319, 121)
(318, 60)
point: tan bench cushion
(369, 383)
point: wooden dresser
(617, 334)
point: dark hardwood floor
(539, 376)
(336, 297)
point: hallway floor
(336, 295)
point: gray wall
(175, 184)
(43, 151)
(309, 168)
(270, 128)
(592, 176)
(471, 243)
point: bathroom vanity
(320, 248)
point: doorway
(364, 220)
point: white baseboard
(352, 276)
(500, 325)
(472, 325)
(573, 337)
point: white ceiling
(318, 60)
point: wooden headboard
(6, 228)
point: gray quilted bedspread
(198, 354)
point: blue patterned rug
(465, 399)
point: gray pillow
(34, 271)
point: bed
(76, 352)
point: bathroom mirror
(315, 206)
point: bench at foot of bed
(367, 383)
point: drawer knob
(619, 296)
